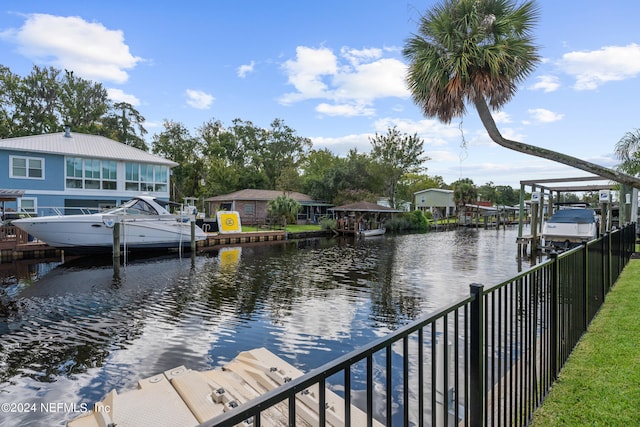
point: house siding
(50, 190)
(435, 200)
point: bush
(418, 220)
(408, 221)
(327, 223)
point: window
(27, 167)
(27, 205)
(145, 177)
(91, 174)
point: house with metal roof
(252, 205)
(70, 171)
(435, 200)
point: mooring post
(476, 363)
(116, 240)
(193, 235)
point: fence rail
(489, 359)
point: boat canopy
(575, 216)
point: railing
(487, 360)
(11, 236)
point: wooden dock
(16, 246)
(181, 397)
(219, 239)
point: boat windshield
(135, 207)
(575, 216)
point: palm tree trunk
(496, 136)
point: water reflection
(75, 332)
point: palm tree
(628, 151)
(285, 208)
(477, 51)
(464, 193)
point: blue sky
(334, 72)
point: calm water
(70, 333)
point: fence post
(476, 363)
(586, 314)
(553, 320)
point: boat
(145, 224)
(570, 227)
(373, 232)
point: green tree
(35, 102)
(464, 193)
(176, 143)
(507, 196)
(231, 156)
(9, 85)
(397, 154)
(477, 51)
(82, 103)
(124, 123)
(285, 208)
(488, 192)
(316, 166)
(279, 150)
(628, 152)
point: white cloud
(344, 110)
(433, 132)
(88, 49)
(542, 115)
(357, 56)
(243, 70)
(348, 83)
(341, 146)
(438, 156)
(501, 117)
(594, 68)
(306, 72)
(118, 95)
(546, 83)
(199, 99)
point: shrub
(327, 223)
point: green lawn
(600, 384)
(295, 228)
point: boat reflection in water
(83, 329)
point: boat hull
(570, 227)
(374, 232)
(94, 234)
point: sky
(334, 72)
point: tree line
(218, 159)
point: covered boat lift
(555, 187)
(357, 217)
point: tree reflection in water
(84, 328)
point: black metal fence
(489, 359)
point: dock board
(183, 397)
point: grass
(294, 228)
(600, 383)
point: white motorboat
(373, 232)
(145, 224)
(570, 227)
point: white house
(435, 200)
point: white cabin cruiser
(145, 224)
(570, 227)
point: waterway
(71, 332)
